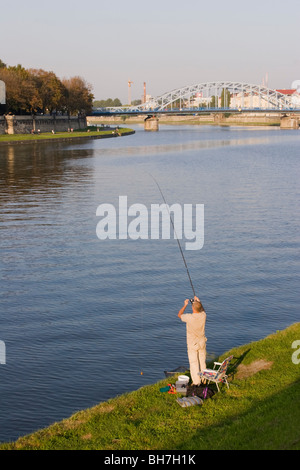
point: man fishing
(195, 335)
(195, 322)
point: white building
(250, 101)
(2, 92)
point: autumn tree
(19, 90)
(79, 97)
(39, 91)
(31, 91)
(50, 92)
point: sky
(166, 43)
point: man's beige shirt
(195, 329)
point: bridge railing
(195, 111)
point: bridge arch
(246, 96)
(257, 95)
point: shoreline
(64, 137)
(238, 418)
(219, 120)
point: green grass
(260, 411)
(17, 138)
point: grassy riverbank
(260, 411)
(63, 136)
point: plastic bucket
(184, 379)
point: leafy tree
(225, 98)
(17, 88)
(50, 92)
(214, 101)
(40, 91)
(117, 102)
(136, 102)
(107, 103)
(79, 96)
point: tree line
(37, 91)
(109, 103)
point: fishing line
(142, 319)
(185, 263)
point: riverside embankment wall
(240, 118)
(10, 124)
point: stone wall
(285, 122)
(230, 118)
(26, 124)
(289, 122)
(2, 125)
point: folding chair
(217, 375)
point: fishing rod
(184, 260)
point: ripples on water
(81, 318)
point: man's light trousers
(197, 360)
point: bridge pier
(219, 117)
(289, 122)
(151, 124)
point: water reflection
(11, 162)
(37, 169)
(183, 146)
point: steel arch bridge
(243, 96)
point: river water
(82, 317)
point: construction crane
(129, 91)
